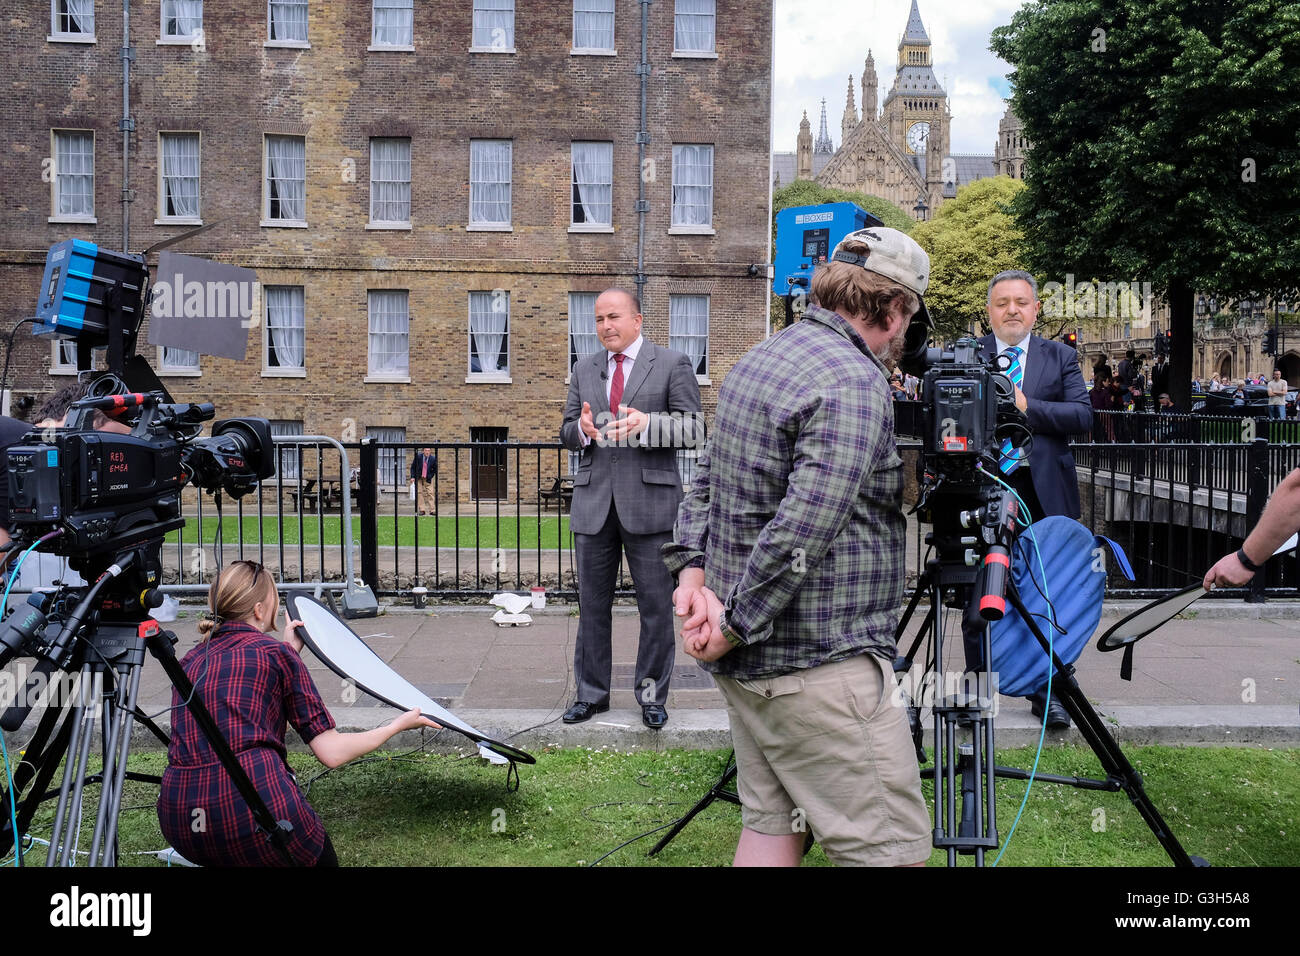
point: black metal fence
(1176, 491)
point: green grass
(1235, 807)
(445, 531)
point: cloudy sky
(819, 43)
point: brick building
(430, 193)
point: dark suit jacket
(417, 465)
(640, 475)
(1058, 409)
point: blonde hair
(843, 287)
(235, 593)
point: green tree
(803, 192)
(971, 238)
(1164, 146)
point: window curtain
(75, 165)
(494, 23)
(693, 25)
(179, 358)
(391, 461)
(392, 23)
(489, 177)
(287, 457)
(692, 185)
(489, 322)
(389, 326)
(286, 166)
(289, 21)
(182, 18)
(583, 339)
(593, 24)
(688, 319)
(285, 323)
(77, 16)
(390, 180)
(181, 175)
(592, 176)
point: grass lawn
(445, 531)
(1233, 806)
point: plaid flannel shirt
(796, 505)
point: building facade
(430, 193)
(900, 149)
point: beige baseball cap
(890, 253)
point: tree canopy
(971, 239)
(1164, 145)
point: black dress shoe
(1058, 718)
(582, 710)
(654, 716)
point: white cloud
(819, 43)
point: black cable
(4, 380)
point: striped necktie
(1010, 459)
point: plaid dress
(253, 685)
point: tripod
(112, 631)
(953, 574)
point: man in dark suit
(631, 405)
(424, 468)
(1055, 401)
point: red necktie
(616, 387)
(426, 467)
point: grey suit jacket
(639, 474)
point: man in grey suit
(631, 405)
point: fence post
(368, 495)
(1256, 496)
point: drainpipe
(127, 126)
(642, 139)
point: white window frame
(164, 219)
(709, 53)
(507, 224)
(281, 371)
(375, 45)
(495, 376)
(699, 229)
(55, 215)
(285, 428)
(386, 375)
(172, 369)
(590, 226)
(576, 50)
(588, 320)
(57, 364)
(287, 44)
(674, 299)
(390, 223)
(60, 36)
(393, 459)
(192, 39)
(266, 183)
(474, 35)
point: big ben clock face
(917, 134)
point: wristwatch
(1246, 563)
(733, 636)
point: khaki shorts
(828, 750)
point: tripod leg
(115, 754)
(715, 792)
(73, 780)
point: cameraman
(1051, 393)
(794, 523)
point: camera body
(102, 491)
(969, 408)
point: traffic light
(1270, 342)
(1162, 343)
(1071, 339)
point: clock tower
(916, 110)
